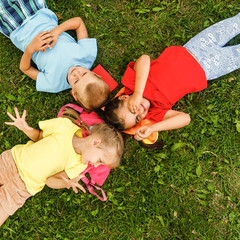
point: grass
(187, 190)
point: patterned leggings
(14, 12)
(209, 48)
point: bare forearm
(142, 67)
(70, 24)
(174, 122)
(34, 134)
(76, 24)
(56, 181)
(25, 64)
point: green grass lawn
(188, 190)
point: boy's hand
(41, 41)
(143, 133)
(73, 183)
(55, 34)
(19, 122)
(134, 102)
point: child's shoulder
(56, 123)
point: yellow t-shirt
(36, 161)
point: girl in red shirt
(153, 87)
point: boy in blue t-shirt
(62, 62)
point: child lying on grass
(62, 62)
(56, 156)
(153, 87)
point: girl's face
(131, 119)
(96, 156)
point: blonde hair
(111, 138)
(97, 94)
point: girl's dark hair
(111, 116)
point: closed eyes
(137, 119)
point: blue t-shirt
(54, 64)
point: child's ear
(122, 97)
(73, 94)
(96, 141)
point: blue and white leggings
(209, 48)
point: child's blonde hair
(111, 138)
(97, 94)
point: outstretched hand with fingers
(18, 121)
(74, 183)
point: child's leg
(30, 7)
(13, 191)
(207, 47)
(219, 33)
(14, 12)
(3, 215)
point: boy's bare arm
(61, 180)
(76, 24)
(25, 65)
(39, 43)
(141, 67)
(21, 124)
(172, 120)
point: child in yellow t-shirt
(56, 155)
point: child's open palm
(18, 121)
(73, 183)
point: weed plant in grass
(187, 190)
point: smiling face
(131, 119)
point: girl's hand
(143, 133)
(41, 41)
(19, 122)
(73, 183)
(134, 102)
(55, 34)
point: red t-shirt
(172, 75)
